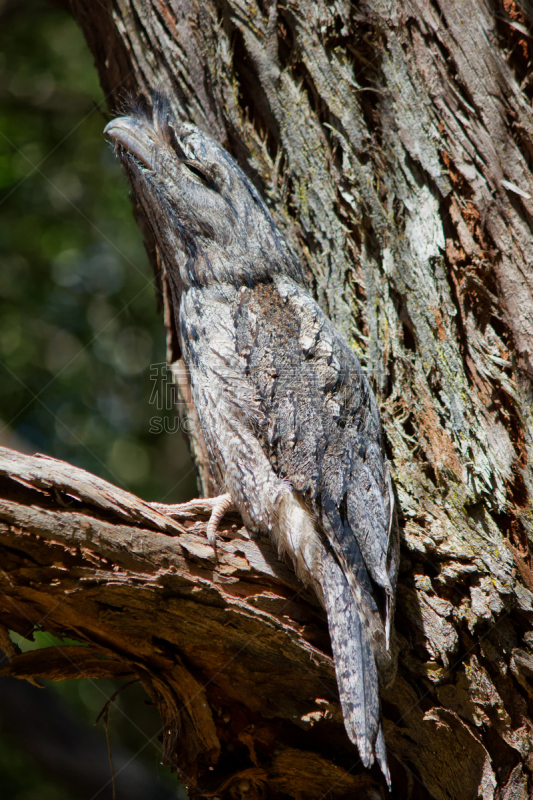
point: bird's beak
(131, 134)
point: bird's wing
(321, 427)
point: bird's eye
(198, 174)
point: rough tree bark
(393, 142)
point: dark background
(79, 330)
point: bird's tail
(355, 666)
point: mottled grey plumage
(289, 419)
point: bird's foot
(218, 506)
(221, 505)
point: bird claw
(221, 505)
(218, 505)
(212, 541)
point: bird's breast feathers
(267, 356)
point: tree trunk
(393, 143)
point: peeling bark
(233, 651)
(393, 143)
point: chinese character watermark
(165, 398)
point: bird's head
(208, 219)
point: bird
(290, 421)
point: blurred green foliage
(22, 780)
(78, 321)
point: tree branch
(234, 652)
(225, 649)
